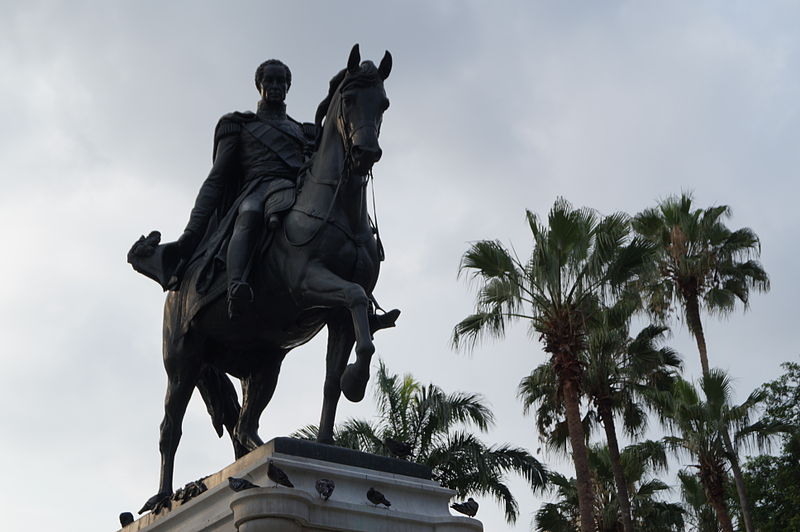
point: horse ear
(385, 66)
(354, 60)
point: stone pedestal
(418, 504)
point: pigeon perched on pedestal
(398, 448)
(376, 497)
(325, 488)
(240, 484)
(190, 491)
(125, 518)
(468, 507)
(277, 475)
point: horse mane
(366, 75)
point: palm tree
(578, 258)
(618, 369)
(702, 264)
(700, 514)
(702, 426)
(564, 514)
(641, 462)
(695, 428)
(436, 425)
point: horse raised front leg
(323, 288)
(340, 342)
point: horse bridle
(347, 144)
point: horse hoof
(354, 382)
(327, 440)
(249, 442)
(156, 503)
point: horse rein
(347, 144)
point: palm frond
(488, 259)
(469, 331)
(309, 432)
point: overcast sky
(108, 110)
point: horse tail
(220, 397)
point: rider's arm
(213, 187)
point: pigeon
(325, 487)
(468, 507)
(277, 475)
(240, 484)
(376, 497)
(398, 448)
(190, 490)
(125, 518)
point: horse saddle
(280, 196)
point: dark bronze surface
(241, 296)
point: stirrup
(240, 296)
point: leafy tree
(782, 399)
(774, 481)
(701, 264)
(577, 259)
(640, 462)
(439, 427)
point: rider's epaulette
(231, 124)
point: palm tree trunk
(724, 518)
(696, 328)
(580, 456)
(712, 477)
(623, 498)
(738, 479)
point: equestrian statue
(279, 245)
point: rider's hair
(271, 62)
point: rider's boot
(240, 297)
(245, 231)
(382, 321)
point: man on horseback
(257, 157)
(319, 271)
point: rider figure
(257, 157)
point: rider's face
(274, 84)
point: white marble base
(418, 505)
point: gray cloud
(108, 112)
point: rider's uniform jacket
(248, 148)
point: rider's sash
(286, 144)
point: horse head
(356, 102)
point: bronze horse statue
(318, 270)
